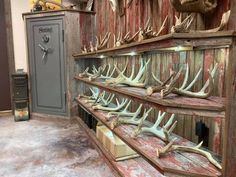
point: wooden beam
(229, 149)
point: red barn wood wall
(135, 17)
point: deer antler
(122, 113)
(182, 26)
(140, 80)
(97, 73)
(102, 43)
(95, 92)
(150, 90)
(170, 148)
(105, 101)
(163, 133)
(184, 89)
(109, 73)
(155, 34)
(118, 106)
(134, 120)
(148, 32)
(126, 40)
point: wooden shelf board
(222, 38)
(176, 163)
(211, 107)
(127, 168)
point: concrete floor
(47, 148)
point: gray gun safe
(52, 38)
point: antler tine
(104, 38)
(162, 27)
(147, 24)
(110, 114)
(127, 35)
(194, 80)
(159, 119)
(138, 130)
(155, 78)
(196, 149)
(170, 87)
(133, 120)
(129, 40)
(208, 81)
(84, 73)
(185, 78)
(125, 113)
(189, 22)
(169, 122)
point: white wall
(17, 8)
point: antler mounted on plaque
(201, 6)
(170, 148)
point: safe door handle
(45, 51)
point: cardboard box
(118, 149)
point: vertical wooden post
(229, 146)
(229, 150)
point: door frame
(10, 46)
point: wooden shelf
(166, 42)
(179, 163)
(132, 167)
(211, 107)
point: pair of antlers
(140, 80)
(169, 85)
(101, 43)
(103, 72)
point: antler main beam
(170, 148)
